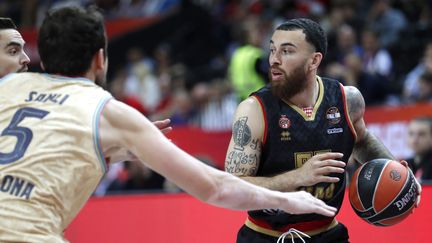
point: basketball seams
(377, 184)
(407, 180)
(358, 193)
(403, 215)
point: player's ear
(100, 59)
(316, 60)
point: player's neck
(307, 97)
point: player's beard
(289, 85)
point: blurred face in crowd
(420, 137)
(370, 41)
(289, 59)
(428, 58)
(12, 55)
(425, 89)
(346, 38)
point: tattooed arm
(367, 146)
(244, 153)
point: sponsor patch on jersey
(333, 115)
(285, 136)
(284, 122)
(334, 130)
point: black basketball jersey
(291, 138)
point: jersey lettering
(23, 134)
(16, 186)
(320, 192)
(47, 97)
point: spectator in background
(216, 105)
(180, 110)
(136, 177)
(387, 21)
(411, 89)
(118, 90)
(141, 81)
(12, 55)
(346, 43)
(376, 60)
(374, 90)
(420, 141)
(425, 85)
(247, 68)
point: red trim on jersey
(265, 118)
(348, 119)
(302, 226)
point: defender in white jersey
(12, 55)
(58, 131)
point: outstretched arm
(138, 135)
(118, 155)
(367, 146)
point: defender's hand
(303, 202)
(318, 168)
(163, 125)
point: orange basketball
(383, 192)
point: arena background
(189, 43)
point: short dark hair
(7, 23)
(315, 35)
(69, 38)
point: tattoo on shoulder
(241, 133)
(355, 101)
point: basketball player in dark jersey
(296, 134)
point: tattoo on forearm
(241, 133)
(370, 148)
(256, 144)
(241, 163)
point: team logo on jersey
(285, 136)
(333, 115)
(284, 122)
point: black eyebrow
(285, 44)
(13, 43)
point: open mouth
(276, 74)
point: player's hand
(318, 168)
(163, 125)
(419, 188)
(303, 202)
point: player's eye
(13, 51)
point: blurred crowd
(383, 47)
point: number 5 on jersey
(23, 134)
